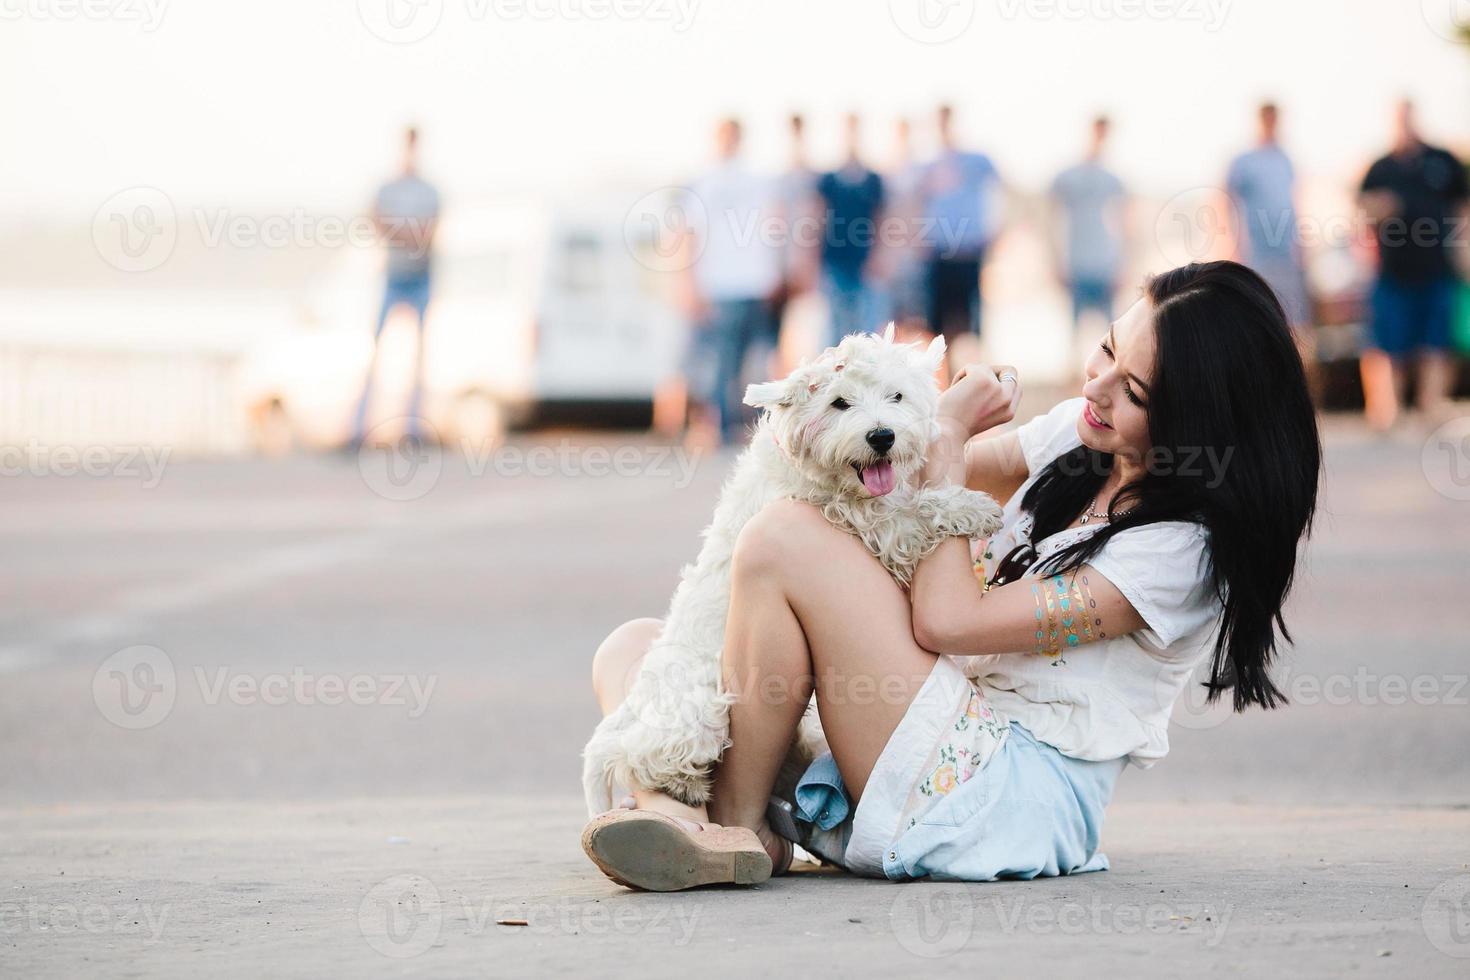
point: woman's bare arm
(953, 615)
(995, 464)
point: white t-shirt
(1110, 698)
(736, 217)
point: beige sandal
(654, 852)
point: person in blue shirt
(405, 215)
(852, 201)
(1261, 183)
(961, 211)
(1090, 200)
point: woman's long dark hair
(1227, 379)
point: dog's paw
(959, 510)
(978, 515)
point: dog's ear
(769, 394)
(888, 332)
(933, 356)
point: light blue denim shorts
(1029, 812)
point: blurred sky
(279, 103)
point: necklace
(1092, 514)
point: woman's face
(1119, 372)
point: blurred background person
(897, 262)
(1415, 196)
(735, 280)
(961, 201)
(799, 205)
(852, 203)
(1261, 184)
(1089, 205)
(405, 215)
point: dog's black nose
(881, 440)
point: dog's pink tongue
(879, 478)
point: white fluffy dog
(847, 433)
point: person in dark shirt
(852, 199)
(1415, 197)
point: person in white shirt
(978, 723)
(736, 273)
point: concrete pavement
(309, 715)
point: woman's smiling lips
(1091, 417)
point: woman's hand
(975, 401)
(978, 400)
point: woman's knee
(616, 656)
(779, 535)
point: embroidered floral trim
(963, 750)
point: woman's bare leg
(810, 606)
(614, 668)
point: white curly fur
(672, 727)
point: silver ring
(1008, 376)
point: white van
(533, 307)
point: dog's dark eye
(840, 404)
(897, 396)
